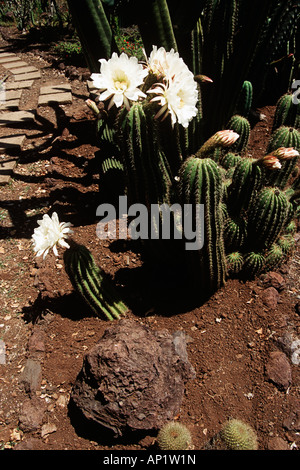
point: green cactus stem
(201, 183)
(235, 262)
(273, 257)
(284, 136)
(241, 126)
(148, 174)
(235, 233)
(286, 243)
(174, 436)
(254, 264)
(92, 284)
(246, 182)
(230, 160)
(245, 99)
(267, 217)
(94, 31)
(287, 112)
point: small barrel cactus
(238, 435)
(174, 436)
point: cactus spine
(201, 183)
(92, 284)
(174, 436)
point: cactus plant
(267, 217)
(238, 435)
(284, 136)
(235, 263)
(241, 126)
(287, 112)
(92, 284)
(174, 436)
(201, 183)
(245, 99)
(254, 264)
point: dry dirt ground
(231, 338)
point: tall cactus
(92, 284)
(94, 31)
(201, 183)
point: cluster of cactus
(248, 203)
(261, 199)
(92, 284)
(174, 436)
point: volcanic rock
(133, 378)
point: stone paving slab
(13, 94)
(91, 86)
(47, 90)
(4, 53)
(16, 117)
(60, 98)
(4, 60)
(12, 142)
(28, 76)
(20, 70)
(18, 85)
(6, 169)
(14, 64)
(10, 105)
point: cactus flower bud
(286, 153)
(227, 137)
(271, 162)
(202, 79)
(92, 105)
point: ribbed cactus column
(246, 182)
(147, 170)
(92, 284)
(241, 126)
(287, 112)
(284, 136)
(267, 217)
(201, 183)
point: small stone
(47, 429)
(278, 370)
(270, 297)
(31, 376)
(277, 443)
(32, 414)
(273, 279)
(292, 422)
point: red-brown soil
(230, 337)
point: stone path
(24, 76)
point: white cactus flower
(49, 234)
(119, 79)
(178, 93)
